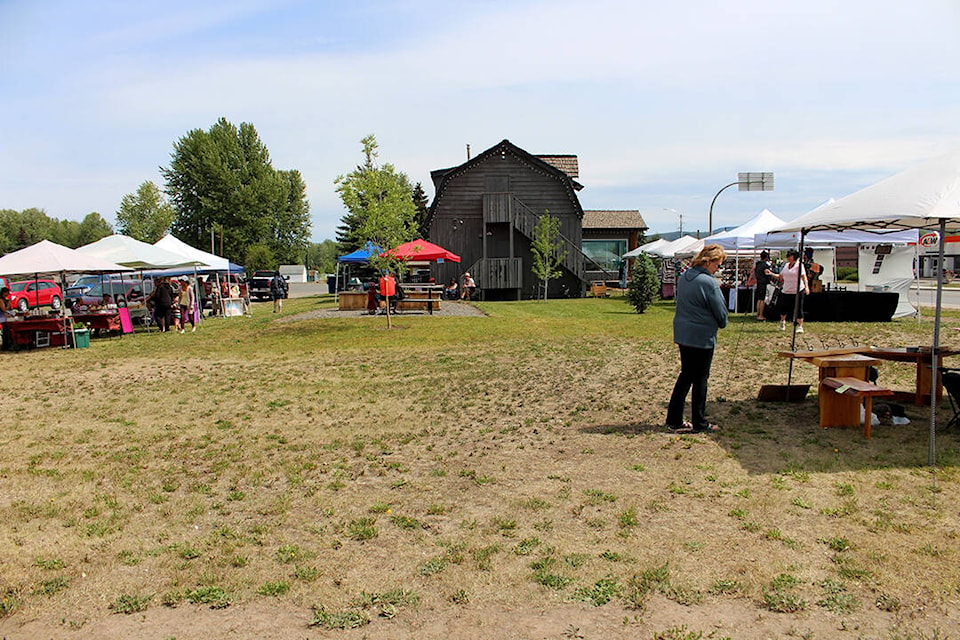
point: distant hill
(673, 235)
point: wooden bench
(598, 289)
(419, 304)
(840, 400)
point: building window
(605, 253)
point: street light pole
(748, 181)
(679, 215)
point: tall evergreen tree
(420, 201)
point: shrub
(644, 285)
(849, 274)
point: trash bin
(331, 284)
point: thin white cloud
(646, 92)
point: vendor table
(924, 362)
(845, 306)
(836, 409)
(38, 331)
(105, 321)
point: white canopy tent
(925, 196)
(742, 238)
(894, 272)
(209, 261)
(649, 247)
(133, 253)
(683, 244)
(53, 258)
(50, 257)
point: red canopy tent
(421, 250)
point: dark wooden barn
(485, 210)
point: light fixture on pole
(679, 217)
(748, 181)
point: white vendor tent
(50, 257)
(133, 253)
(683, 244)
(742, 238)
(212, 261)
(649, 247)
(925, 196)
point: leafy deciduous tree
(19, 229)
(379, 204)
(548, 250)
(145, 215)
(223, 178)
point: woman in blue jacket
(701, 310)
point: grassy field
(467, 466)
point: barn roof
(566, 163)
(441, 177)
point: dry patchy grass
(505, 461)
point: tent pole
(934, 372)
(796, 306)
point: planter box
(81, 338)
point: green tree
(290, 227)
(379, 204)
(145, 215)
(548, 250)
(90, 229)
(259, 256)
(322, 256)
(223, 179)
(420, 201)
(644, 285)
(19, 229)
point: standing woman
(5, 308)
(701, 310)
(794, 279)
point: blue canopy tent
(360, 256)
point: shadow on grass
(771, 438)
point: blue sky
(663, 102)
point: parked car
(82, 284)
(124, 293)
(35, 293)
(259, 284)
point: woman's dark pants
(694, 372)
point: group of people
(790, 286)
(454, 291)
(173, 303)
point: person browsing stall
(794, 278)
(701, 311)
(5, 309)
(765, 275)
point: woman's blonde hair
(709, 253)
